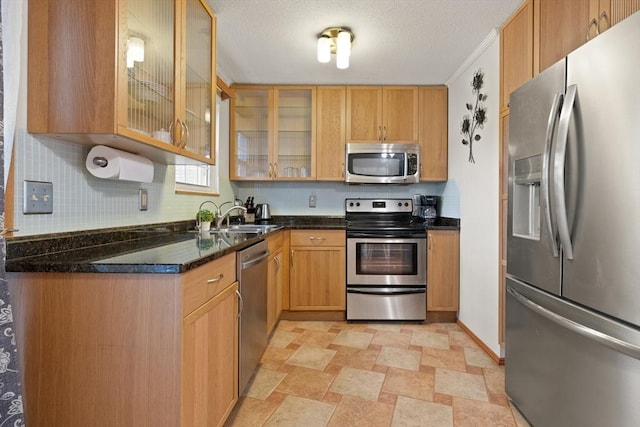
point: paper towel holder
(100, 161)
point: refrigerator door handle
(558, 168)
(604, 339)
(544, 187)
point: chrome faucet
(220, 219)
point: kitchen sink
(247, 229)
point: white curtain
(12, 32)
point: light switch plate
(38, 197)
(312, 201)
(143, 199)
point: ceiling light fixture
(336, 40)
(135, 51)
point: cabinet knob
(604, 16)
(592, 23)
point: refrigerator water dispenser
(526, 197)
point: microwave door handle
(558, 169)
(544, 187)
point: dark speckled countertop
(155, 248)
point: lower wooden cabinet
(275, 279)
(317, 270)
(210, 360)
(101, 349)
(443, 270)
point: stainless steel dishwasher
(252, 278)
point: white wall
(477, 186)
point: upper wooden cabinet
(382, 114)
(562, 26)
(89, 82)
(433, 133)
(516, 52)
(330, 132)
(273, 132)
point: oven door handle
(386, 291)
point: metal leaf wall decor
(477, 116)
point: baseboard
(499, 360)
(313, 315)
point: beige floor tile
(311, 357)
(305, 382)
(355, 357)
(418, 385)
(430, 339)
(494, 381)
(358, 383)
(448, 359)
(251, 412)
(478, 357)
(355, 412)
(462, 339)
(392, 338)
(355, 339)
(282, 338)
(389, 327)
(263, 383)
(460, 384)
(448, 326)
(399, 358)
(315, 338)
(317, 325)
(472, 413)
(274, 357)
(419, 413)
(298, 411)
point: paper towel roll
(120, 165)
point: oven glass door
(386, 261)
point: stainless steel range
(386, 261)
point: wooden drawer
(318, 238)
(275, 240)
(205, 282)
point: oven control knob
(406, 204)
(350, 204)
(399, 204)
(357, 203)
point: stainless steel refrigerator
(572, 343)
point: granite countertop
(155, 248)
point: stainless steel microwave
(375, 163)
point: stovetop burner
(383, 215)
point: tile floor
(374, 374)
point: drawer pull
(317, 238)
(216, 279)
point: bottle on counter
(250, 215)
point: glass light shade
(324, 49)
(342, 61)
(344, 44)
(135, 48)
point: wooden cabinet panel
(563, 26)
(317, 270)
(210, 360)
(400, 114)
(443, 270)
(275, 278)
(364, 113)
(382, 114)
(115, 100)
(330, 132)
(516, 52)
(433, 133)
(204, 282)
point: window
(201, 178)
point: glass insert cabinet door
(295, 124)
(274, 133)
(168, 100)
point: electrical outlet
(312, 201)
(38, 197)
(143, 199)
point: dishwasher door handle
(254, 261)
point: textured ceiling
(396, 41)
